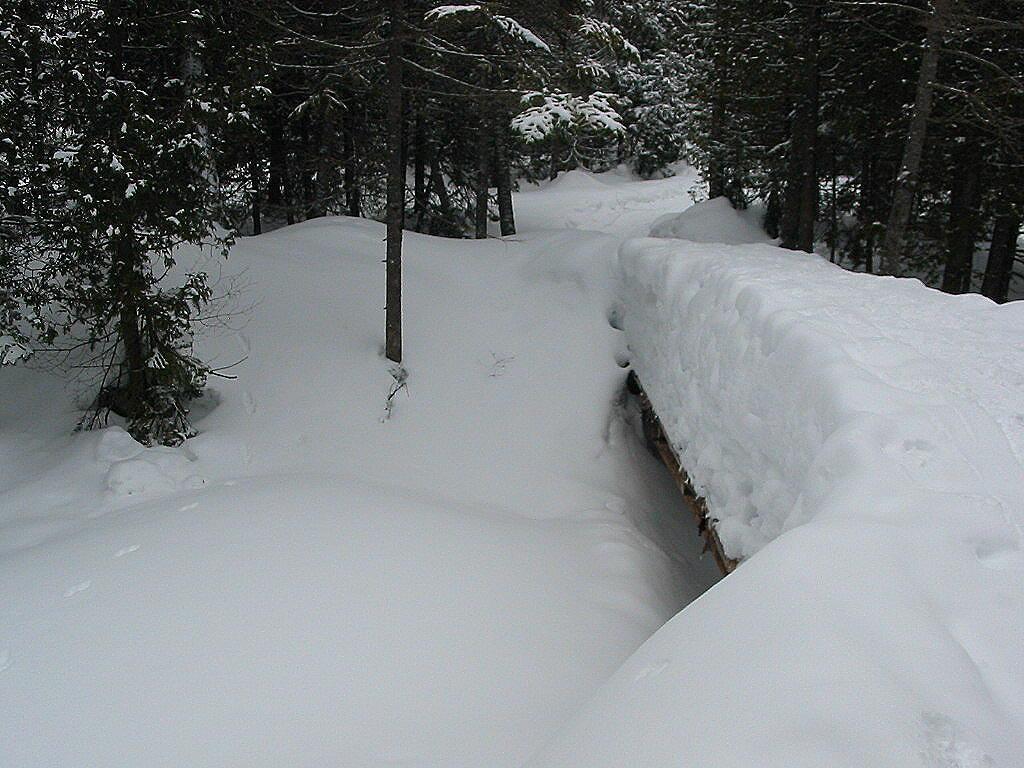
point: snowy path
(307, 583)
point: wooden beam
(659, 443)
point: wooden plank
(658, 441)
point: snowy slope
(306, 584)
(861, 440)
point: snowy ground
(307, 584)
(861, 440)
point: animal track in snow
(80, 587)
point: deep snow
(307, 584)
(860, 439)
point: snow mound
(860, 441)
(157, 470)
(713, 221)
(306, 621)
(492, 565)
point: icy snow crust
(860, 441)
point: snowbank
(860, 440)
(713, 221)
(615, 202)
(308, 584)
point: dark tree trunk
(275, 184)
(307, 166)
(352, 192)
(963, 223)
(773, 211)
(127, 263)
(503, 174)
(395, 184)
(482, 177)
(556, 153)
(717, 173)
(866, 210)
(1001, 255)
(256, 192)
(913, 149)
(800, 201)
(444, 201)
(132, 396)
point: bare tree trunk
(443, 217)
(352, 192)
(275, 184)
(716, 130)
(133, 393)
(482, 177)
(395, 185)
(556, 151)
(127, 263)
(963, 223)
(800, 201)
(503, 172)
(866, 225)
(1001, 255)
(913, 149)
(254, 184)
(307, 165)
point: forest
(886, 135)
(534, 384)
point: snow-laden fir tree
(121, 155)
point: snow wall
(858, 439)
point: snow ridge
(859, 439)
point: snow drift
(859, 439)
(712, 221)
(307, 583)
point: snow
(308, 583)
(713, 221)
(443, 11)
(484, 575)
(860, 441)
(517, 31)
(546, 113)
(11, 351)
